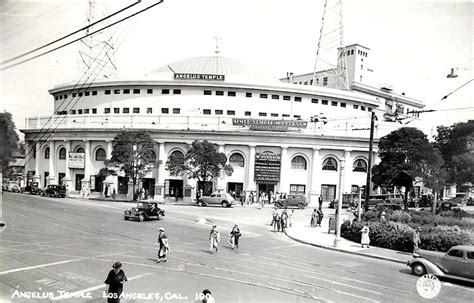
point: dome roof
(234, 70)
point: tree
(133, 154)
(202, 162)
(456, 144)
(406, 155)
(8, 149)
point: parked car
(216, 198)
(457, 263)
(348, 200)
(446, 206)
(425, 200)
(385, 198)
(35, 189)
(144, 211)
(292, 201)
(459, 200)
(13, 186)
(55, 191)
(387, 206)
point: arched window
(46, 153)
(62, 153)
(360, 165)
(236, 159)
(80, 150)
(177, 154)
(152, 156)
(100, 154)
(330, 164)
(298, 162)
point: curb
(345, 251)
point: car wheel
(141, 218)
(417, 205)
(301, 205)
(225, 204)
(126, 218)
(200, 203)
(418, 269)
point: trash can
(332, 225)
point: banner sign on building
(76, 160)
(207, 77)
(267, 167)
(271, 125)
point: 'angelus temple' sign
(271, 125)
(267, 167)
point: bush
(399, 216)
(442, 237)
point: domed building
(279, 137)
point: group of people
(215, 238)
(282, 221)
(109, 191)
(262, 197)
(316, 218)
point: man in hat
(162, 241)
(215, 238)
(115, 280)
(234, 236)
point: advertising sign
(76, 160)
(267, 167)
(270, 125)
(206, 77)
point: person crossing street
(234, 237)
(164, 249)
(214, 238)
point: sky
(413, 45)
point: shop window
(236, 160)
(330, 164)
(298, 162)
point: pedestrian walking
(290, 218)
(314, 218)
(320, 217)
(284, 220)
(416, 239)
(214, 238)
(164, 249)
(115, 280)
(365, 240)
(234, 237)
(275, 212)
(277, 225)
(113, 193)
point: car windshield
(142, 205)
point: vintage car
(292, 201)
(387, 206)
(460, 200)
(216, 198)
(35, 189)
(55, 191)
(425, 200)
(348, 200)
(457, 263)
(144, 211)
(13, 186)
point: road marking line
(80, 292)
(285, 246)
(38, 266)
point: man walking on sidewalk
(214, 238)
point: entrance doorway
(149, 187)
(78, 184)
(174, 188)
(122, 185)
(265, 188)
(328, 192)
(237, 188)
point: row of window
(359, 52)
(125, 91)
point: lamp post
(369, 164)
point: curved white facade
(201, 98)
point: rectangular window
(86, 111)
(94, 93)
(56, 98)
(107, 91)
(286, 98)
(65, 96)
(219, 93)
(126, 91)
(149, 91)
(231, 94)
(219, 112)
(285, 115)
(263, 96)
(136, 110)
(324, 102)
(80, 94)
(165, 110)
(297, 99)
(334, 103)
(126, 110)
(248, 113)
(325, 81)
(343, 104)
(176, 111)
(275, 97)
(314, 100)
(136, 91)
(206, 111)
(116, 91)
(355, 106)
(87, 93)
(369, 109)
(362, 108)
(116, 110)
(74, 95)
(176, 92)
(248, 95)
(149, 110)
(262, 114)
(107, 110)
(274, 115)
(165, 91)
(94, 110)
(73, 111)
(231, 112)
(79, 111)
(208, 92)
(297, 117)
(297, 189)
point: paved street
(51, 246)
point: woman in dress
(214, 238)
(234, 237)
(365, 240)
(115, 280)
(164, 249)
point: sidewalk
(319, 236)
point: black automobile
(144, 211)
(56, 191)
(292, 201)
(35, 189)
(422, 201)
(387, 206)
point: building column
(250, 186)
(339, 217)
(52, 175)
(109, 150)
(160, 184)
(284, 176)
(67, 178)
(347, 172)
(220, 182)
(87, 169)
(37, 176)
(315, 184)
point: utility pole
(369, 165)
